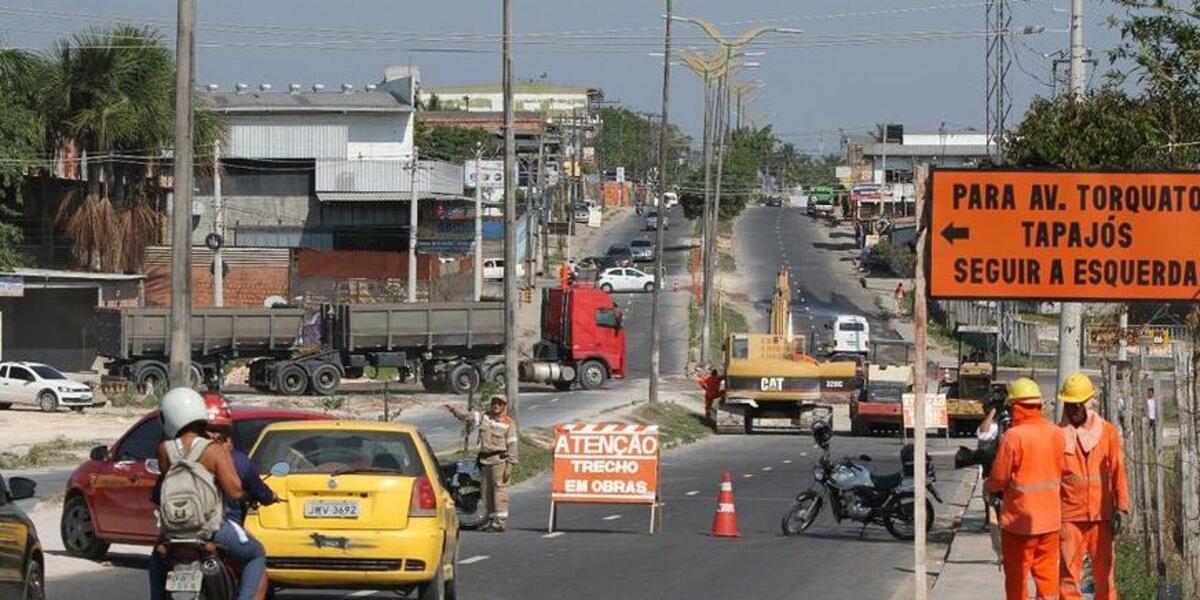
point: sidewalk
(970, 570)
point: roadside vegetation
(59, 451)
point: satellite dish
(274, 302)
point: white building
(527, 97)
(872, 161)
(321, 168)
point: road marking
(362, 593)
(474, 559)
(692, 493)
(803, 454)
(550, 536)
(768, 468)
(612, 517)
(787, 461)
(747, 475)
(553, 400)
(535, 406)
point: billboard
(1064, 235)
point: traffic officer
(497, 456)
(1095, 496)
(1027, 478)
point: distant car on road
(108, 497)
(43, 386)
(650, 222)
(621, 255)
(625, 280)
(22, 575)
(774, 201)
(493, 269)
(851, 334)
(642, 250)
(595, 264)
(582, 213)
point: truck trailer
(447, 346)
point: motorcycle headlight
(818, 473)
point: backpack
(191, 506)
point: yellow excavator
(770, 377)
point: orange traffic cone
(725, 521)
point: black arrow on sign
(952, 233)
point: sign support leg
(553, 517)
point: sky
(817, 84)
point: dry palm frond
(138, 225)
(89, 222)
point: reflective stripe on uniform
(1048, 484)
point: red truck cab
(583, 339)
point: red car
(108, 497)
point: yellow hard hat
(1077, 389)
(1024, 391)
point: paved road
(637, 307)
(604, 552)
(818, 259)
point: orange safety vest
(1028, 474)
(1094, 483)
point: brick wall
(244, 286)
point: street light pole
(663, 141)
(511, 388)
(1070, 320)
(181, 207)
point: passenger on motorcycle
(220, 427)
(185, 424)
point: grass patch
(58, 451)
(728, 321)
(1135, 580)
(381, 373)
(677, 426)
(129, 397)
(537, 454)
(726, 262)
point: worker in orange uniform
(1027, 478)
(1095, 495)
(564, 275)
(712, 390)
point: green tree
(630, 139)
(109, 95)
(454, 144)
(21, 138)
(746, 154)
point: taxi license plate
(331, 509)
(187, 581)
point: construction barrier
(605, 463)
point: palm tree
(109, 99)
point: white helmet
(181, 407)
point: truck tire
(293, 381)
(495, 373)
(325, 380)
(592, 375)
(151, 377)
(464, 378)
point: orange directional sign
(1064, 236)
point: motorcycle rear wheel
(899, 521)
(801, 515)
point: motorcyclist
(220, 426)
(185, 422)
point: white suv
(35, 384)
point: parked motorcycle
(857, 493)
(465, 484)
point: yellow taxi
(362, 507)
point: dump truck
(969, 388)
(446, 346)
(771, 377)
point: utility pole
(720, 129)
(921, 320)
(1070, 320)
(478, 295)
(543, 215)
(663, 141)
(530, 219)
(413, 217)
(706, 255)
(219, 229)
(181, 206)
(511, 388)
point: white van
(851, 333)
